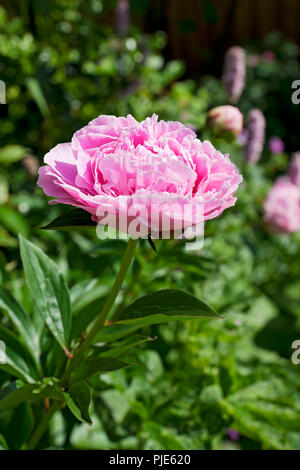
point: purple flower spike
(122, 17)
(234, 73)
(294, 170)
(256, 124)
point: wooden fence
(199, 28)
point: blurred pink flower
(282, 207)
(268, 56)
(115, 164)
(294, 170)
(276, 145)
(226, 118)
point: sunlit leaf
(48, 289)
(164, 306)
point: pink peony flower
(294, 170)
(282, 207)
(118, 165)
(226, 118)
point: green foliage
(78, 399)
(48, 289)
(175, 385)
(163, 306)
(71, 220)
(96, 365)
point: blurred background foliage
(219, 384)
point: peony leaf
(17, 360)
(96, 365)
(164, 306)
(114, 332)
(72, 220)
(48, 289)
(22, 322)
(15, 393)
(123, 347)
(20, 424)
(78, 399)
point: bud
(122, 17)
(294, 170)
(226, 118)
(234, 73)
(256, 125)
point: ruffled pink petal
(152, 172)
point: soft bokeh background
(210, 385)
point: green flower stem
(103, 315)
(42, 426)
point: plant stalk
(42, 426)
(103, 315)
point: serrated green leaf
(164, 306)
(48, 289)
(78, 399)
(71, 220)
(96, 365)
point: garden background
(219, 384)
